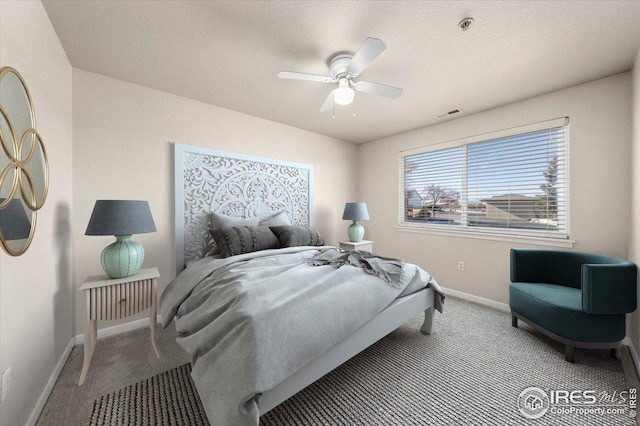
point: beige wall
(600, 171)
(123, 136)
(35, 289)
(633, 321)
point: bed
(324, 311)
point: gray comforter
(250, 321)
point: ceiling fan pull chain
(333, 111)
(354, 107)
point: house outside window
(510, 183)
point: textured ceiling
(228, 53)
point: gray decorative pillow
(277, 219)
(223, 221)
(244, 239)
(293, 236)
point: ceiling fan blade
(378, 89)
(370, 49)
(290, 75)
(328, 103)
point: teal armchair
(578, 299)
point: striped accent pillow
(244, 239)
(293, 236)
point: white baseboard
(35, 413)
(118, 329)
(477, 299)
(634, 355)
(74, 341)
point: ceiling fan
(343, 69)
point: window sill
(524, 239)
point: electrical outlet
(6, 383)
(460, 265)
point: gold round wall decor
(24, 167)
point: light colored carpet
(118, 361)
(470, 371)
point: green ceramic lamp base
(355, 232)
(123, 258)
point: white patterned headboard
(208, 180)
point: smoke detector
(465, 23)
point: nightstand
(110, 299)
(360, 245)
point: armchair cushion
(558, 308)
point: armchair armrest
(609, 289)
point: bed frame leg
(428, 321)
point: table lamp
(355, 212)
(121, 218)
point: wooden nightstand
(109, 299)
(360, 245)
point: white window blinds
(512, 182)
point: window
(508, 183)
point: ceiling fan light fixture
(343, 69)
(344, 95)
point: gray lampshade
(14, 222)
(120, 217)
(355, 211)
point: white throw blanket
(250, 321)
